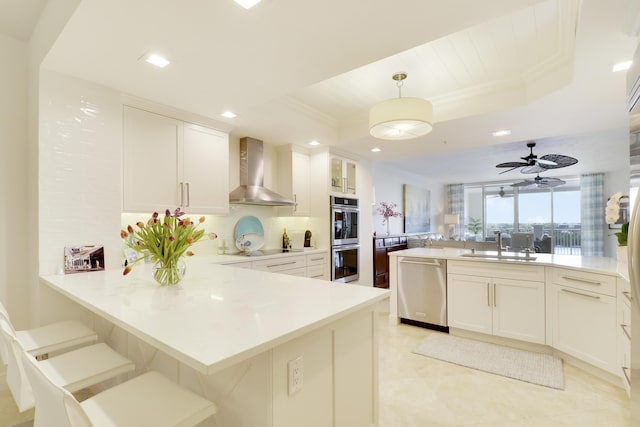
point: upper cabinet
(169, 163)
(343, 175)
(293, 178)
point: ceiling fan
(540, 182)
(502, 194)
(535, 164)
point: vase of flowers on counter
(387, 210)
(165, 242)
(615, 215)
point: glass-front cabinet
(343, 176)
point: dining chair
(149, 399)
(49, 338)
(73, 370)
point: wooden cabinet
(293, 179)
(583, 316)
(169, 163)
(343, 175)
(497, 299)
(381, 248)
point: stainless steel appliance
(422, 292)
(344, 221)
(344, 263)
(345, 247)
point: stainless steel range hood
(251, 190)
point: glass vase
(169, 273)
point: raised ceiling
(297, 71)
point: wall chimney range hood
(251, 190)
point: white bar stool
(74, 370)
(147, 400)
(49, 338)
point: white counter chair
(146, 400)
(50, 338)
(74, 370)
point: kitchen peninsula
(232, 334)
(574, 306)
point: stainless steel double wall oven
(345, 243)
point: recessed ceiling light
(247, 4)
(502, 132)
(621, 66)
(376, 150)
(157, 60)
(229, 114)
(314, 142)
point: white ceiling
(297, 71)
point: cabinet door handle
(295, 200)
(626, 374)
(581, 294)
(576, 279)
(488, 294)
(344, 185)
(494, 294)
(188, 196)
(624, 329)
(182, 194)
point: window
(552, 215)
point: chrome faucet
(499, 239)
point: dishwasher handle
(434, 263)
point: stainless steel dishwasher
(422, 292)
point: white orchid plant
(612, 215)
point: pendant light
(400, 118)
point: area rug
(536, 368)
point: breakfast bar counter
(237, 330)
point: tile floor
(416, 391)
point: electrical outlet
(295, 375)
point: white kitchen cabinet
(497, 300)
(317, 266)
(293, 179)
(624, 332)
(168, 163)
(583, 317)
(343, 175)
(294, 265)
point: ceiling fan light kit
(401, 118)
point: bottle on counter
(285, 240)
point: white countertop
(218, 315)
(585, 263)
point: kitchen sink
(495, 255)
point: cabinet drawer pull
(182, 194)
(624, 329)
(282, 263)
(627, 295)
(434, 263)
(626, 375)
(317, 259)
(188, 196)
(577, 279)
(581, 294)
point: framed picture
(78, 259)
(417, 216)
(623, 213)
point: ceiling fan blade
(525, 183)
(558, 160)
(550, 182)
(512, 165)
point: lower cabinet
(507, 306)
(624, 332)
(583, 317)
(312, 265)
